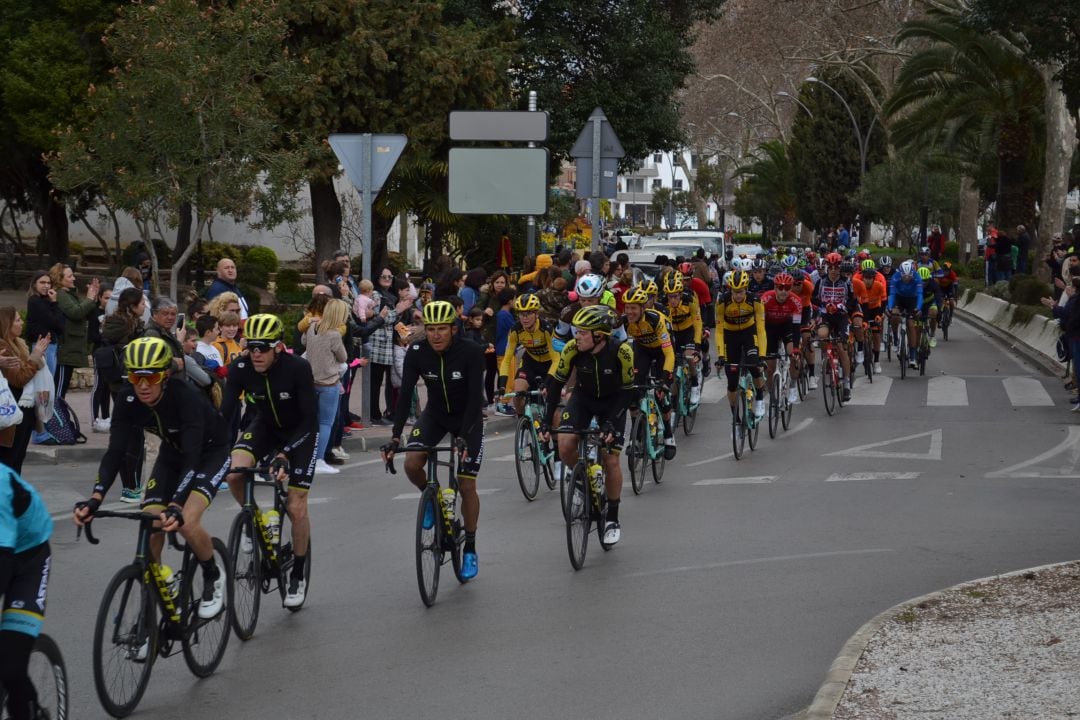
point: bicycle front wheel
(125, 642)
(579, 517)
(902, 355)
(49, 676)
(774, 405)
(689, 420)
(637, 455)
(204, 641)
(657, 432)
(526, 459)
(828, 388)
(785, 407)
(245, 552)
(753, 424)
(429, 554)
(738, 429)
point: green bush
(251, 294)
(287, 280)
(999, 289)
(952, 251)
(976, 269)
(290, 319)
(214, 251)
(163, 251)
(747, 238)
(257, 265)
(1027, 289)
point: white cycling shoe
(812, 382)
(793, 396)
(695, 395)
(295, 597)
(210, 607)
(612, 533)
(759, 408)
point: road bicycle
(868, 353)
(262, 559)
(588, 498)
(902, 343)
(685, 411)
(744, 422)
(48, 674)
(127, 636)
(646, 442)
(946, 318)
(440, 530)
(779, 406)
(832, 378)
(872, 345)
(922, 353)
(532, 458)
(798, 359)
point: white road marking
(1067, 469)
(713, 392)
(869, 450)
(504, 458)
(752, 480)
(853, 477)
(1027, 392)
(946, 390)
(755, 561)
(416, 495)
(710, 460)
(319, 500)
(360, 464)
(803, 424)
(875, 393)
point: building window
(656, 184)
(658, 158)
(678, 184)
(635, 185)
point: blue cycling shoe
(429, 516)
(469, 566)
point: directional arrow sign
(610, 147)
(385, 151)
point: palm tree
(768, 188)
(967, 89)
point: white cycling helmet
(589, 286)
(727, 276)
(742, 264)
(907, 268)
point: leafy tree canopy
(894, 192)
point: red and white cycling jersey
(777, 313)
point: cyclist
(652, 291)
(534, 335)
(759, 282)
(872, 294)
(740, 333)
(906, 293)
(804, 288)
(653, 353)
(590, 291)
(932, 301)
(604, 390)
(453, 372)
(926, 260)
(25, 558)
(685, 315)
(947, 280)
(783, 314)
(840, 313)
(191, 462)
(280, 388)
(885, 267)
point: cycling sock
(470, 542)
(759, 393)
(810, 367)
(209, 568)
(613, 511)
(299, 562)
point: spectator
(350, 279)
(73, 351)
(504, 323)
(196, 309)
(100, 395)
(338, 281)
(528, 281)
(226, 344)
(562, 262)
(326, 354)
(843, 237)
(363, 306)
(470, 291)
(990, 256)
(1068, 316)
(163, 325)
(226, 282)
(382, 343)
(226, 302)
(43, 316)
(120, 328)
(1023, 249)
(1055, 260)
(936, 242)
(1004, 257)
(129, 277)
(208, 331)
(450, 284)
(18, 364)
(145, 268)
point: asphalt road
(734, 587)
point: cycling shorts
(430, 429)
(807, 317)
(778, 333)
(165, 484)
(906, 303)
(648, 362)
(683, 339)
(873, 314)
(839, 324)
(738, 344)
(530, 369)
(949, 292)
(581, 409)
(24, 597)
(260, 441)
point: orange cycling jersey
(805, 291)
(872, 297)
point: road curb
(1048, 365)
(836, 679)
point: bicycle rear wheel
(828, 389)
(429, 554)
(785, 408)
(125, 642)
(565, 491)
(946, 320)
(579, 517)
(689, 420)
(802, 384)
(48, 675)
(774, 405)
(753, 424)
(204, 641)
(247, 571)
(637, 454)
(526, 459)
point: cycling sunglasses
(154, 378)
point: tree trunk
(1012, 168)
(695, 192)
(967, 224)
(54, 224)
(380, 228)
(182, 258)
(183, 239)
(1060, 146)
(326, 222)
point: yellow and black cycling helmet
(526, 302)
(636, 295)
(264, 328)
(739, 280)
(924, 272)
(147, 355)
(651, 289)
(673, 283)
(597, 318)
(439, 312)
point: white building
(658, 170)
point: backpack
(63, 427)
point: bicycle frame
(649, 408)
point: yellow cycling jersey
(733, 317)
(651, 332)
(537, 344)
(686, 315)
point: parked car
(711, 241)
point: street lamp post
(797, 101)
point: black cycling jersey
(283, 396)
(184, 419)
(760, 288)
(455, 384)
(607, 375)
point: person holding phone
(43, 316)
(74, 349)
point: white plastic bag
(10, 412)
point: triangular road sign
(872, 450)
(610, 147)
(384, 154)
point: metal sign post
(597, 152)
(530, 233)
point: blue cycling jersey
(898, 287)
(24, 520)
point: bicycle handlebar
(388, 451)
(133, 515)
